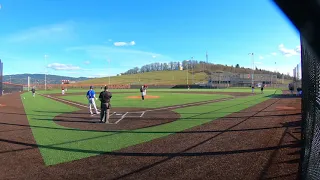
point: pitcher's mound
(146, 97)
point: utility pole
(275, 64)
(206, 64)
(188, 72)
(192, 69)
(109, 70)
(252, 65)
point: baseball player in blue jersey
(91, 96)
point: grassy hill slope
(157, 77)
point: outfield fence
(10, 88)
(310, 154)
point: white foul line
(123, 116)
(142, 112)
(179, 106)
(65, 101)
(59, 99)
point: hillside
(157, 77)
(200, 66)
(39, 78)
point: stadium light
(188, 72)
(109, 70)
(192, 69)
(252, 66)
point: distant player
(262, 86)
(33, 90)
(252, 88)
(299, 91)
(105, 98)
(62, 89)
(143, 91)
(291, 88)
(91, 96)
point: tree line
(200, 66)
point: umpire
(105, 97)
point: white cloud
(132, 43)
(273, 54)
(66, 67)
(72, 72)
(120, 43)
(154, 56)
(48, 33)
(87, 62)
(100, 75)
(261, 57)
(289, 52)
(121, 57)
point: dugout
(221, 79)
(10, 88)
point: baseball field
(172, 134)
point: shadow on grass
(184, 153)
(31, 145)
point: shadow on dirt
(284, 96)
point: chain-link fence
(310, 166)
(10, 88)
(7, 87)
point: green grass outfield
(165, 99)
(248, 90)
(59, 144)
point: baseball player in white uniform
(91, 96)
(62, 90)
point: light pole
(252, 65)
(109, 70)
(188, 72)
(45, 74)
(275, 64)
(192, 69)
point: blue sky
(101, 38)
